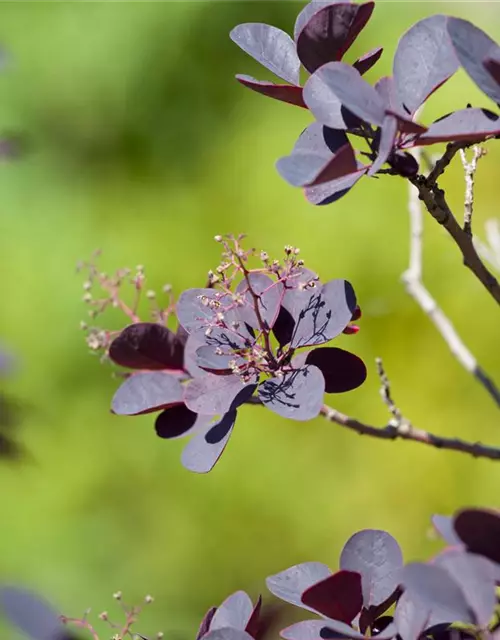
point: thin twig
(385, 393)
(412, 279)
(470, 172)
(82, 623)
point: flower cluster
(253, 335)
(346, 108)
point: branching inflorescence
(373, 593)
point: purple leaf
(146, 392)
(329, 33)
(235, 612)
(202, 308)
(147, 345)
(410, 617)
(479, 530)
(377, 557)
(323, 313)
(466, 124)
(337, 597)
(305, 630)
(268, 293)
(194, 342)
(228, 633)
(492, 65)
(444, 526)
(476, 577)
(323, 103)
(273, 48)
(320, 154)
(206, 447)
(334, 629)
(472, 47)
(368, 60)
(205, 623)
(434, 589)
(342, 370)
(31, 614)
(254, 625)
(213, 395)
(329, 192)
(308, 11)
(388, 135)
(337, 81)
(289, 585)
(297, 394)
(178, 421)
(283, 92)
(424, 60)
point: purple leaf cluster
(359, 128)
(257, 337)
(237, 618)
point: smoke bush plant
(373, 593)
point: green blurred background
(137, 139)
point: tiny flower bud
(84, 326)
(148, 599)
(117, 595)
(218, 238)
(87, 286)
(150, 295)
(140, 268)
(300, 263)
(167, 288)
(87, 297)
(159, 635)
(264, 256)
(103, 615)
(296, 251)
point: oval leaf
(479, 530)
(329, 33)
(205, 623)
(337, 597)
(177, 422)
(272, 47)
(342, 370)
(377, 557)
(467, 125)
(289, 585)
(330, 192)
(388, 134)
(199, 309)
(205, 448)
(146, 392)
(235, 612)
(147, 345)
(472, 47)
(424, 60)
(267, 295)
(297, 394)
(214, 395)
(411, 617)
(31, 614)
(364, 63)
(444, 526)
(228, 633)
(323, 313)
(283, 92)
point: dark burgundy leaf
(206, 447)
(337, 597)
(405, 124)
(377, 557)
(472, 47)
(307, 13)
(404, 163)
(329, 33)
(329, 192)
(368, 60)
(424, 60)
(342, 370)
(235, 612)
(31, 614)
(273, 48)
(145, 392)
(289, 585)
(254, 625)
(323, 313)
(432, 588)
(283, 327)
(283, 92)
(411, 617)
(296, 394)
(492, 65)
(205, 623)
(177, 421)
(147, 345)
(213, 395)
(388, 135)
(269, 294)
(381, 624)
(444, 526)
(479, 530)
(467, 125)
(476, 576)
